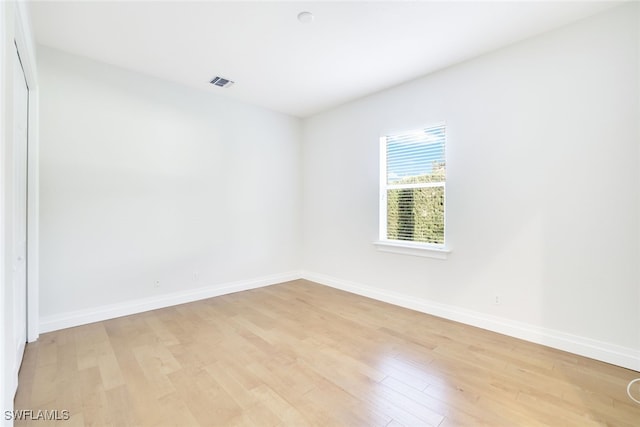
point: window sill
(415, 249)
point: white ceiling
(350, 50)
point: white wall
(144, 181)
(542, 192)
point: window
(412, 187)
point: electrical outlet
(156, 284)
(496, 300)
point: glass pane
(416, 157)
(416, 214)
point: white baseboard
(97, 314)
(599, 350)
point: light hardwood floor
(301, 354)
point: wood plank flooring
(301, 354)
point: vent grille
(221, 82)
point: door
(19, 217)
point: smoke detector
(306, 17)
(221, 82)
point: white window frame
(431, 250)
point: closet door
(19, 219)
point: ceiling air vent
(221, 81)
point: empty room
(330, 213)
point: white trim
(6, 403)
(638, 122)
(410, 248)
(105, 312)
(599, 350)
(23, 36)
(24, 39)
(33, 220)
(382, 208)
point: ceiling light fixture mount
(306, 17)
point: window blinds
(414, 187)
